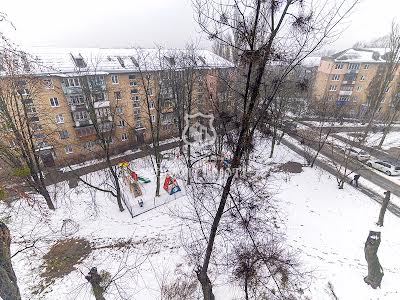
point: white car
(385, 166)
(359, 154)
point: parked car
(359, 154)
(385, 166)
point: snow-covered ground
(391, 140)
(373, 139)
(327, 227)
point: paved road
(365, 173)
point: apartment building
(344, 78)
(119, 86)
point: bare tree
(23, 140)
(383, 79)
(8, 281)
(261, 26)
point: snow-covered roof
(367, 55)
(311, 61)
(50, 60)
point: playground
(138, 184)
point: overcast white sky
(169, 23)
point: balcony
(104, 119)
(97, 86)
(345, 93)
(83, 123)
(101, 104)
(71, 90)
(106, 126)
(85, 132)
(78, 107)
(351, 82)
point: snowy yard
(327, 227)
(392, 140)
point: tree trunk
(280, 138)
(384, 206)
(375, 271)
(45, 193)
(94, 279)
(189, 163)
(158, 177)
(273, 143)
(8, 281)
(383, 138)
(206, 285)
(117, 186)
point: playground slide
(144, 179)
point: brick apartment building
(119, 83)
(345, 76)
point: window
(25, 92)
(59, 119)
(339, 66)
(124, 137)
(117, 95)
(76, 100)
(99, 97)
(121, 123)
(354, 66)
(354, 98)
(136, 113)
(139, 124)
(387, 89)
(335, 77)
(332, 88)
(79, 61)
(30, 109)
(68, 149)
(366, 66)
(119, 110)
(89, 145)
(151, 103)
(114, 79)
(359, 88)
(72, 82)
(135, 98)
(153, 118)
(80, 115)
(362, 78)
(63, 134)
(54, 102)
(134, 91)
(48, 84)
(150, 91)
(132, 81)
(343, 98)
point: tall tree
(8, 281)
(265, 31)
(383, 81)
(23, 138)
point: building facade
(345, 78)
(72, 95)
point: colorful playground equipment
(171, 185)
(131, 179)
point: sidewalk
(54, 176)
